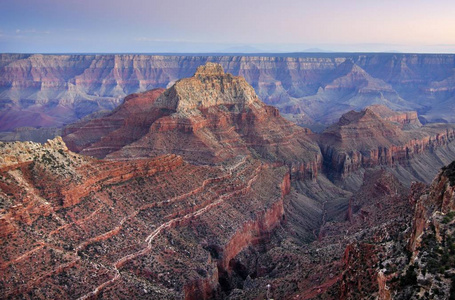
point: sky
(185, 26)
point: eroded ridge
(100, 220)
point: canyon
(43, 91)
(202, 191)
(110, 222)
(365, 139)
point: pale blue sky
(105, 26)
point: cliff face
(420, 264)
(205, 192)
(128, 122)
(53, 90)
(364, 140)
(429, 263)
(354, 256)
(72, 228)
(404, 119)
(438, 197)
(207, 118)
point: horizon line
(230, 53)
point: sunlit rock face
(76, 227)
(55, 90)
(207, 118)
(202, 191)
(365, 139)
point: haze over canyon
(241, 150)
(203, 191)
(310, 89)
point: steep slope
(420, 264)
(343, 262)
(349, 87)
(404, 119)
(395, 243)
(430, 271)
(207, 118)
(442, 93)
(53, 90)
(129, 122)
(76, 227)
(364, 140)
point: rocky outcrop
(438, 197)
(364, 140)
(128, 122)
(359, 261)
(208, 118)
(67, 218)
(430, 267)
(404, 119)
(17, 153)
(54, 90)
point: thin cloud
(32, 31)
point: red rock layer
(131, 120)
(207, 118)
(405, 119)
(439, 196)
(76, 227)
(60, 89)
(359, 275)
(364, 140)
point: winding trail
(173, 222)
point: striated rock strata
(75, 227)
(430, 270)
(364, 140)
(404, 119)
(205, 192)
(208, 118)
(54, 90)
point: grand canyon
(172, 179)
(310, 89)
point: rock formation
(404, 119)
(76, 227)
(420, 263)
(54, 90)
(201, 191)
(430, 271)
(364, 140)
(207, 118)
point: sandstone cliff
(53, 90)
(364, 140)
(75, 227)
(210, 117)
(204, 194)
